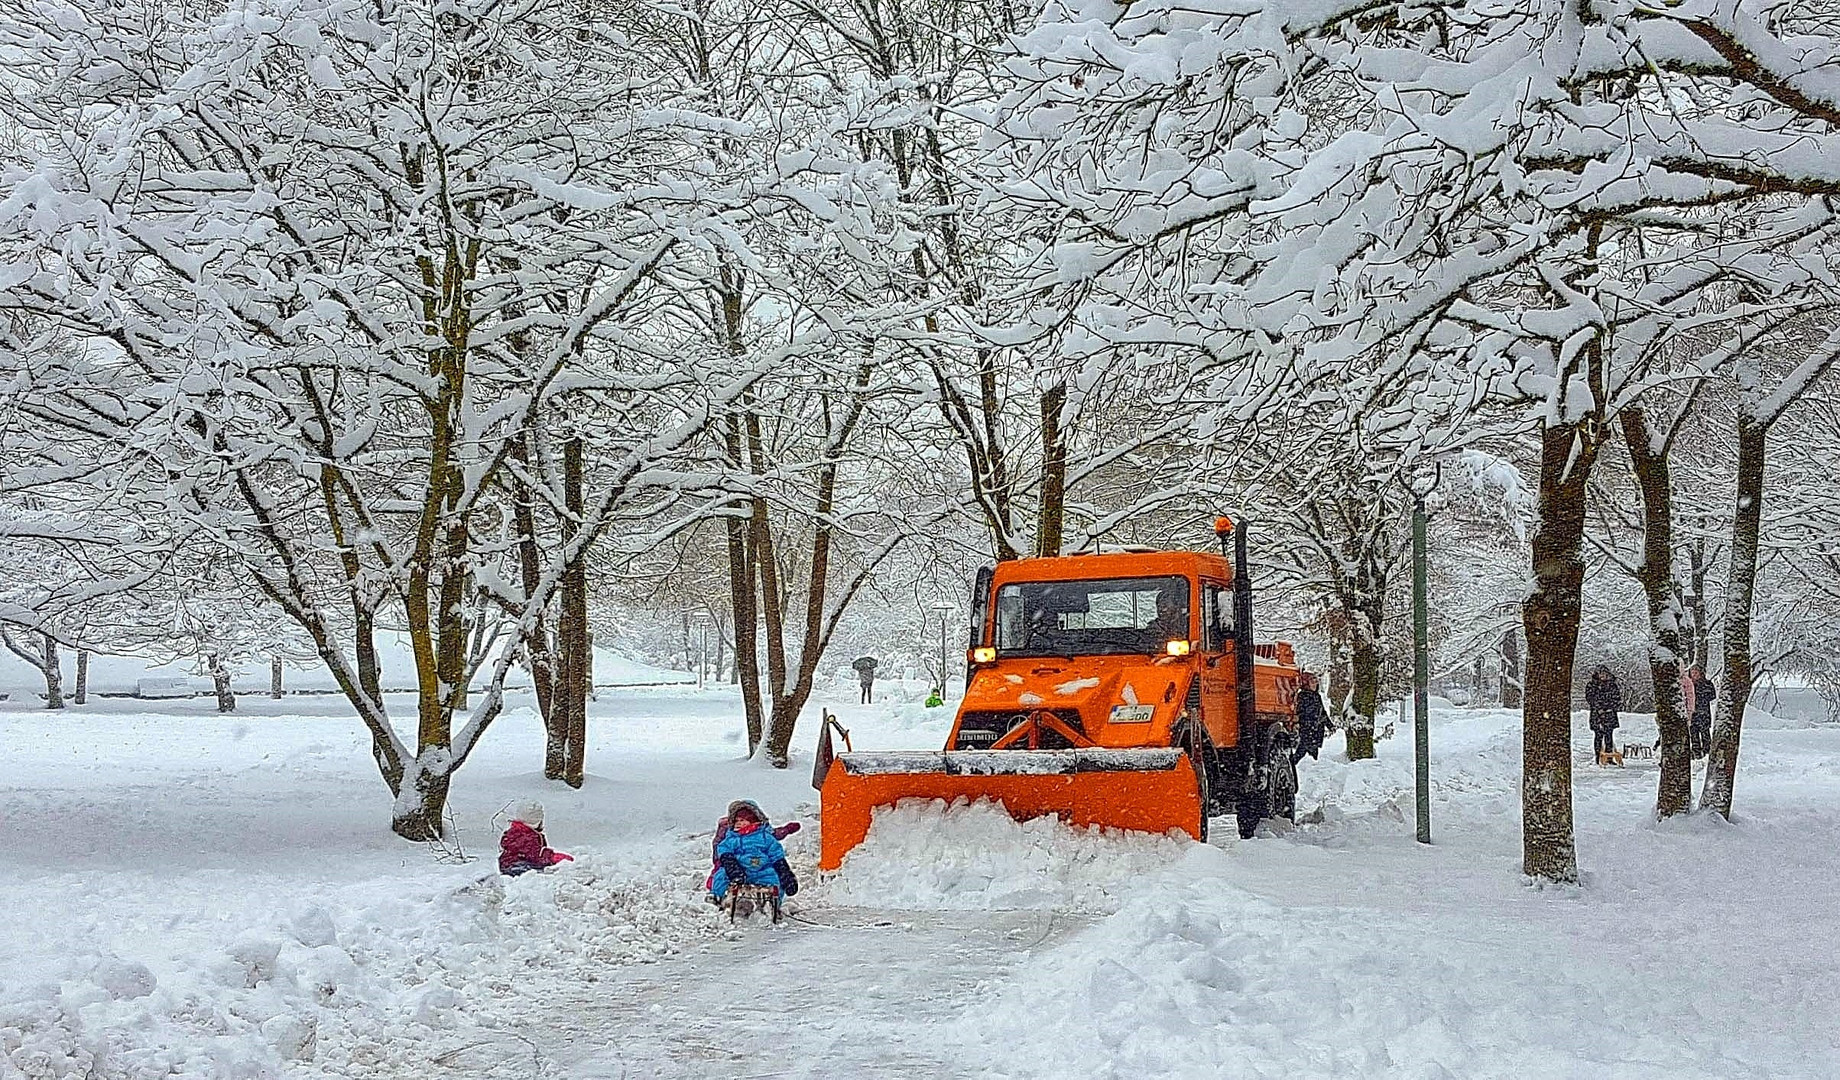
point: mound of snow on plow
(926, 855)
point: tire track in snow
(853, 992)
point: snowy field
(196, 895)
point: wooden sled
(745, 900)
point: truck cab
(1123, 650)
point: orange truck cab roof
(1116, 564)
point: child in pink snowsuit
(523, 847)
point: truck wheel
(1252, 810)
(1254, 803)
(1284, 790)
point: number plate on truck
(1133, 714)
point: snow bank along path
(195, 895)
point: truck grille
(978, 730)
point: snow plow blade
(1146, 790)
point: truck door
(980, 615)
(1217, 689)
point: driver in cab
(1171, 622)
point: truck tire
(1252, 810)
(1254, 803)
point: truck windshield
(1072, 618)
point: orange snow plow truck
(1122, 690)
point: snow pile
(350, 991)
(924, 855)
(1475, 776)
(1194, 971)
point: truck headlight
(1178, 647)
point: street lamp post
(701, 622)
(1421, 485)
(945, 612)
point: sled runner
(744, 901)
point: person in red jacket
(523, 847)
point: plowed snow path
(864, 994)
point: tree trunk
(1364, 694)
(559, 721)
(1550, 619)
(743, 556)
(788, 704)
(1674, 791)
(786, 708)
(1341, 664)
(779, 732)
(761, 550)
(53, 671)
(274, 677)
(420, 805)
(1363, 604)
(82, 694)
(1051, 516)
(741, 597)
(1701, 644)
(1740, 595)
(537, 647)
(370, 667)
(576, 666)
(220, 682)
(1511, 674)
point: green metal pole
(1421, 673)
(942, 655)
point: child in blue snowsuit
(748, 852)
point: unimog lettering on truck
(1104, 689)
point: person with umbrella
(865, 674)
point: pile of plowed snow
(925, 855)
(345, 989)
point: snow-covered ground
(197, 895)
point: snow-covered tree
(327, 265)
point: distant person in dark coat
(1605, 699)
(1699, 725)
(1312, 720)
